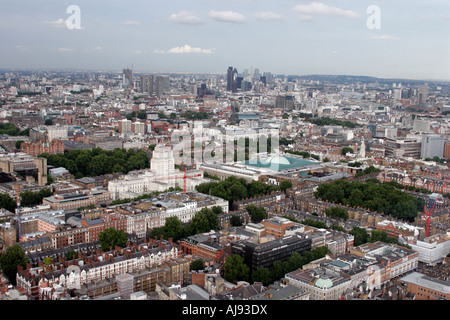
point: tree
(337, 213)
(10, 259)
(236, 269)
(257, 213)
(262, 275)
(173, 228)
(217, 209)
(277, 270)
(7, 202)
(18, 143)
(346, 150)
(286, 184)
(360, 235)
(197, 264)
(71, 254)
(48, 122)
(30, 199)
(204, 221)
(112, 237)
(235, 221)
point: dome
(278, 160)
(324, 283)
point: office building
(232, 75)
(432, 146)
(400, 147)
(146, 84)
(162, 85)
(257, 255)
(127, 78)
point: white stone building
(161, 176)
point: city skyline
(205, 36)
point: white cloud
(60, 23)
(185, 17)
(132, 23)
(188, 49)
(21, 48)
(158, 51)
(65, 49)
(384, 37)
(307, 11)
(227, 16)
(139, 52)
(268, 15)
(306, 18)
(97, 48)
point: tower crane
(184, 177)
(428, 213)
(18, 212)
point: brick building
(424, 287)
(39, 147)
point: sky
(380, 38)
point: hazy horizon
(290, 37)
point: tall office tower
(229, 78)
(256, 74)
(163, 163)
(406, 93)
(232, 75)
(422, 94)
(162, 85)
(146, 84)
(127, 78)
(263, 79)
(432, 146)
(202, 91)
(397, 94)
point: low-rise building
(432, 250)
(424, 287)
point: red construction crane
(428, 213)
(184, 177)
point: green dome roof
(324, 283)
(278, 160)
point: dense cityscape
(217, 157)
(343, 197)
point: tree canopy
(28, 199)
(97, 161)
(203, 221)
(256, 213)
(337, 213)
(234, 189)
(236, 269)
(383, 198)
(112, 237)
(11, 130)
(10, 259)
